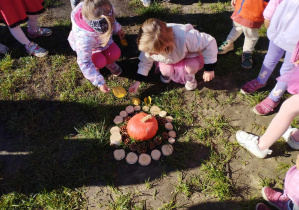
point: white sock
(32, 22)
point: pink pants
(180, 71)
(108, 56)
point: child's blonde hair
(155, 37)
(95, 9)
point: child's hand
(297, 162)
(134, 87)
(208, 76)
(121, 34)
(104, 88)
(296, 62)
(233, 3)
(266, 23)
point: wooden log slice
(169, 119)
(114, 129)
(156, 154)
(162, 114)
(137, 108)
(145, 108)
(130, 109)
(115, 139)
(131, 158)
(119, 154)
(171, 140)
(169, 126)
(144, 159)
(118, 119)
(172, 134)
(155, 110)
(123, 114)
(167, 149)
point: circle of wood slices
(144, 159)
(119, 154)
(131, 158)
(156, 154)
(167, 149)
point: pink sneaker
(265, 107)
(274, 198)
(261, 206)
(251, 87)
(33, 49)
(39, 32)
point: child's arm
(270, 9)
(90, 72)
(144, 66)
(205, 44)
(118, 30)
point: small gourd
(142, 127)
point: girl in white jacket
(180, 51)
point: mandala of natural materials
(142, 134)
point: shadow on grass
(41, 150)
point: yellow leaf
(119, 92)
(136, 101)
(148, 100)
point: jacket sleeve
(84, 53)
(204, 43)
(117, 27)
(270, 9)
(145, 65)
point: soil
(245, 170)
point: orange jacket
(251, 9)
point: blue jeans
(74, 3)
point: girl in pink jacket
(93, 23)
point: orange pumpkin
(142, 127)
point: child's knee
(192, 66)
(99, 60)
(112, 54)
(165, 69)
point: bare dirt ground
(244, 170)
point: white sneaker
(165, 79)
(191, 85)
(250, 142)
(289, 139)
(146, 3)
